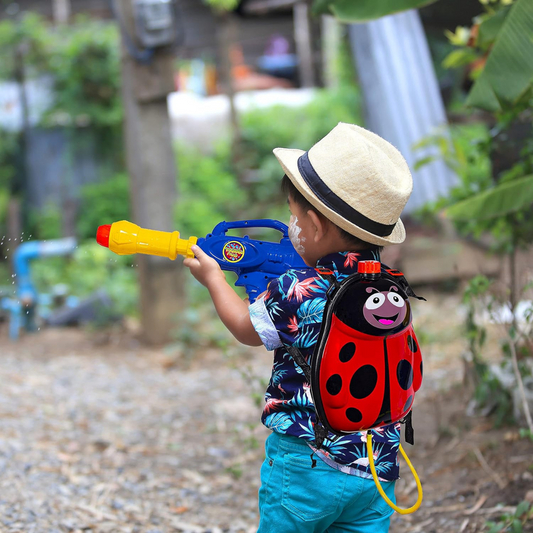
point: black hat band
(331, 200)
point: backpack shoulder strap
(299, 359)
(330, 277)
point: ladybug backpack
(367, 364)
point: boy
(345, 196)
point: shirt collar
(347, 261)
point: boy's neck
(343, 249)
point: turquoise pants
(295, 498)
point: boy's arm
(230, 308)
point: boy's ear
(320, 225)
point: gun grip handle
(252, 292)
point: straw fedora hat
(356, 179)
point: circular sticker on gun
(233, 251)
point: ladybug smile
(386, 320)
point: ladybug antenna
(370, 289)
(393, 288)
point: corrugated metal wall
(402, 98)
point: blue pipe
(26, 292)
(32, 250)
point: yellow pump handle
(378, 484)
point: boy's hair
(288, 188)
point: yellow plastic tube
(378, 484)
(125, 238)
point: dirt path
(113, 437)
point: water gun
(255, 262)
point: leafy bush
(208, 191)
(85, 64)
(281, 126)
(512, 522)
(8, 148)
(44, 224)
(464, 150)
(89, 269)
(103, 203)
(28, 35)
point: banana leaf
(504, 199)
(491, 26)
(365, 10)
(508, 72)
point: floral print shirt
(290, 313)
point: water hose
(378, 484)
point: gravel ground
(108, 438)
(100, 434)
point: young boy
(345, 196)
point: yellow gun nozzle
(183, 246)
(126, 238)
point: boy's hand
(204, 268)
(230, 308)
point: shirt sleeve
(280, 306)
(263, 324)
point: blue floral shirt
(290, 313)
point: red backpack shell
(367, 364)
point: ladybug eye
(375, 300)
(395, 299)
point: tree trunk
(151, 167)
(304, 48)
(331, 41)
(61, 10)
(227, 38)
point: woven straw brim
(288, 159)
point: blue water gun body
(255, 262)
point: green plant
(90, 269)
(8, 149)
(496, 202)
(222, 5)
(103, 203)
(476, 335)
(85, 64)
(512, 522)
(490, 395)
(197, 328)
(83, 59)
(526, 434)
(46, 223)
(24, 45)
(209, 192)
(265, 129)
(364, 10)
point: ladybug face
(384, 310)
(377, 307)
